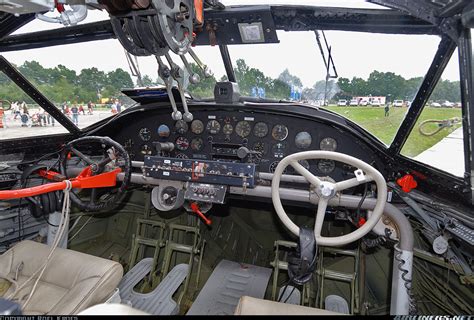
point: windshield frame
(413, 23)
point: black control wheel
(114, 155)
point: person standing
(24, 106)
(119, 106)
(89, 107)
(387, 110)
(16, 110)
(75, 114)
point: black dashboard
(259, 134)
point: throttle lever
(165, 74)
(178, 74)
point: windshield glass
(373, 71)
(437, 138)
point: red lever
(195, 208)
(407, 182)
(84, 180)
(51, 175)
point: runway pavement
(13, 128)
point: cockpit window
(437, 138)
(20, 116)
(373, 73)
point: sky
(354, 53)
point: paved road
(15, 130)
(447, 155)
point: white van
(398, 103)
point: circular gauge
(273, 166)
(197, 144)
(213, 127)
(197, 127)
(279, 132)
(228, 129)
(243, 129)
(303, 140)
(144, 134)
(260, 129)
(326, 166)
(145, 149)
(182, 143)
(303, 162)
(278, 149)
(163, 131)
(181, 156)
(260, 147)
(328, 144)
(181, 126)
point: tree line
(61, 84)
(394, 87)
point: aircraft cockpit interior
(261, 198)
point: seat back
(71, 282)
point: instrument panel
(258, 138)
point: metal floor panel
(228, 282)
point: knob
(243, 152)
(164, 146)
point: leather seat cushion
(71, 282)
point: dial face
(303, 140)
(181, 156)
(274, 165)
(163, 131)
(260, 129)
(260, 147)
(197, 144)
(182, 143)
(303, 162)
(326, 166)
(145, 149)
(144, 134)
(278, 150)
(181, 126)
(328, 144)
(243, 129)
(197, 127)
(279, 132)
(213, 127)
(228, 129)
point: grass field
(372, 119)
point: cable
(284, 290)
(408, 282)
(57, 239)
(362, 199)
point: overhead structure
(157, 28)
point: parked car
(447, 104)
(458, 105)
(342, 102)
(435, 105)
(375, 103)
(398, 103)
(353, 102)
(363, 102)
